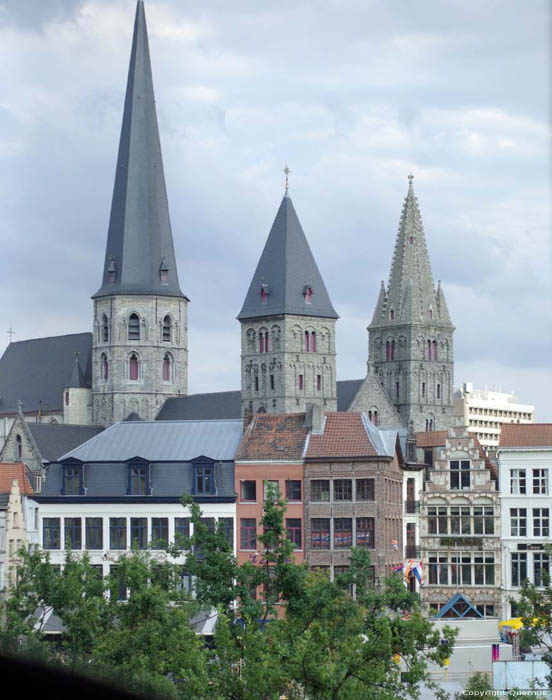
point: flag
(408, 568)
(398, 567)
(418, 572)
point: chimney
(314, 417)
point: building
(18, 519)
(485, 411)
(269, 461)
(353, 494)
(123, 489)
(410, 336)
(525, 469)
(460, 537)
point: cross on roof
(287, 171)
(11, 332)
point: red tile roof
(344, 436)
(436, 438)
(526, 435)
(275, 437)
(15, 470)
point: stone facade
(460, 535)
(20, 447)
(115, 345)
(373, 400)
(286, 378)
(77, 406)
(384, 510)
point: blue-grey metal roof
(139, 240)
(227, 404)
(54, 440)
(162, 441)
(109, 480)
(39, 370)
(286, 268)
(383, 440)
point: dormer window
(204, 478)
(111, 271)
(73, 482)
(139, 479)
(265, 291)
(164, 272)
(307, 293)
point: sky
(353, 95)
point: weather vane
(287, 171)
(411, 177)
(11, 332)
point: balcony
(412, 506)
(411, 551)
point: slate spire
(139, 255)
(77, 380)
(287, 279)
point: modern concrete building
(484, 411)
(525, 469)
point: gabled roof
(220, 405)
(40, 369)
(438, 438)
(285, 271)
(162, 441)
(9, 471)
(411, 292)
(459, 606)
(274, 436)
(350, 435)
(525, 435)
(139, 240)
(53, 440)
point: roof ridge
(48, 337)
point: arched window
(430, 312)
(313, 342)
(19, 446)
(387, 351)
(434, 349)
(429, 349)
(266, 341)
(307, 293)
(392, 349)
(261, 342)
(392, 314)
(256, 383)
(167, 329)
(104, 367)
(133, 368)
(300, 382)
(307, 341)
(423, 389)
(133, 327)
(105, 329)
(167, 364)
(375, 417)
(438, 391)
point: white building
(18, 518)
(525, 469)
(123, 489)
(485, 411)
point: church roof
(77, 380)
(227, 404)
(411, 293)
(37, 370)
(286, 272)
(139, 240)
(54, 439)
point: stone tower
(139, 348)
(287, 326)
(410, 336)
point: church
(57, 392)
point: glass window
(133, 327)
(540, 481)
(343, 533)
(248, 533)
(343, 490)
(518, 485)
(293, 529)
(118, 587)
(460, 474)
(518, 522)
(364, 489)
(437, 520)
(139, 533)
(541, 568)
(73, 533)
(272, 490)
(519, 568)
(204, 479)
(72, 481)
(438, 568)
(365, 532)
(138, 480)
(293, 490)
(117, 533)
(167, 329)
(541, 522)
(320, 490)
(160, 533)
(51, 534)
(248, 490)
(94, 533)
(320, 533)
(483, 520)
(181, 532)
(460, 523)
(227, 525)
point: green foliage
(282, 630)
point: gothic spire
(287, 279)
(139, 255)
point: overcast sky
(353, 95)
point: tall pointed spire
(140, 253)
(287, 279)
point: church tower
(139, 348)
(410, 336)
(287, 326)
